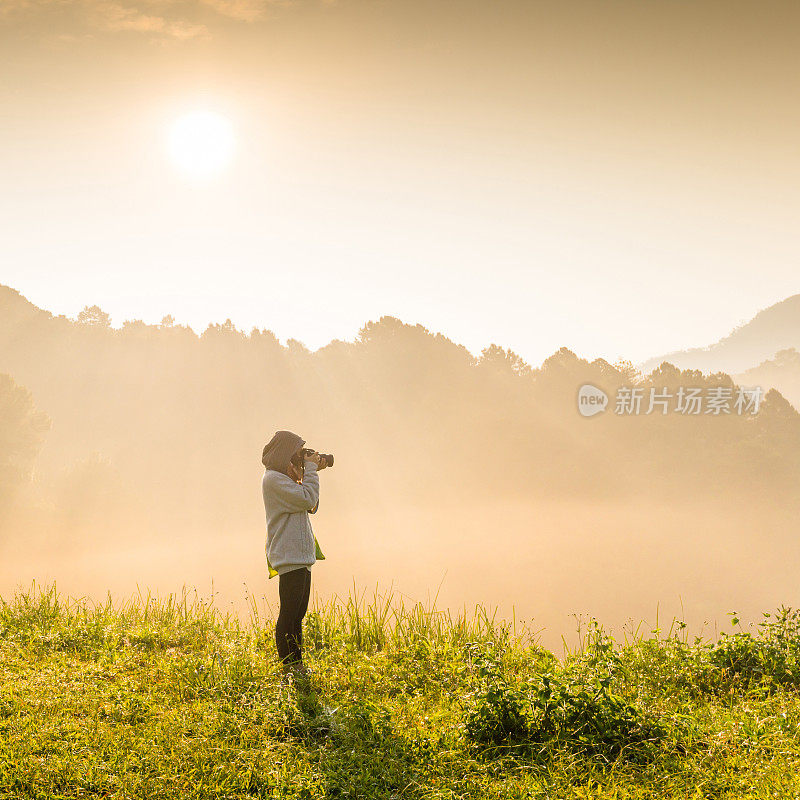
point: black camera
(299, 457)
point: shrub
(766, 661)
(582, 713)
(498, 714)
(570, 707)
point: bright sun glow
(201, 143)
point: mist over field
(131, 458)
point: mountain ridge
(771, 330)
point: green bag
(319, 555)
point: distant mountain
(781, 373)
(771, 330)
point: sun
(201, 143)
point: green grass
(169, 698)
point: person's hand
(317, 459)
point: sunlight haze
(400, 399)
(317, 189)
(618, 178)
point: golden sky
(620, 178)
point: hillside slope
(781, 372)
(772, 329)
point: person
(290, 488)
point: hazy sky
(620, 178)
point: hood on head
(280, 449)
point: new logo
(591, 400)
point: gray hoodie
(290, 539)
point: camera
(299, 457)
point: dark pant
(294, 589)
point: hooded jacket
(291, 543)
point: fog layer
(131, 458)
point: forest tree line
(149, 427)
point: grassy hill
(170, 698)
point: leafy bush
(765, 661)
(571, 707)
(499, 712)
(583, 713)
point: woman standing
(290, 487)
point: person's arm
(296, 496)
